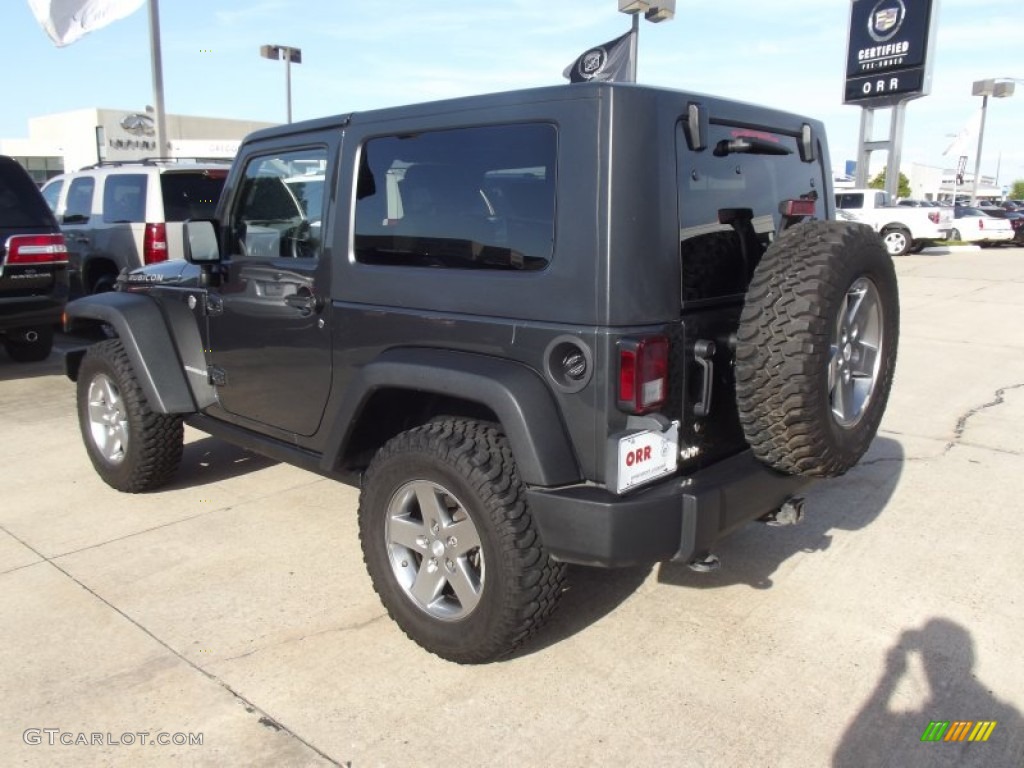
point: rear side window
(191, 195)
(729, 197)
(469, 198)
(124, 198)
(79, 203)
(20, 202)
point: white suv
(126, 214)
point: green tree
(904, 186)
(1017, 190)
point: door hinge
(218, 377)
(214, 305)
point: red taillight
(643, 374)
(934, 217)
(154, 244)
(981, 223)
(797, 208)
(37, 249)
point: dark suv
(600, 324)
(33, 267)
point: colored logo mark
(958, 730)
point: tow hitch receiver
(790, 513)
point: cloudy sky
(359, 55)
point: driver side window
(280, 208)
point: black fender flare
(143, 331)
(517, 395)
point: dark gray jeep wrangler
(601, 324)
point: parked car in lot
(127, 214)
(903, 229)
(973, 225)
(1012, 215)
(33, 266)
(912, 203)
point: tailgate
(729, 213)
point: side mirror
(200, 243)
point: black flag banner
(608, 62)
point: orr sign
(888, 55)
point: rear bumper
(678, 519)
(25, 312)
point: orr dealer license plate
(646, 456)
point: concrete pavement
(233, 607)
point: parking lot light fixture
(654, 11)
(1000, 88)
(290, 56)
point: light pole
(290, 55)
(654, 11)
(1000, 88)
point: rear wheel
(954, 234)
(816, 348)
(29, 345)
(450, 545)
(897, 241)
(132, 447)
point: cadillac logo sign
(592, 63)
(138, 125)
(887, 57)
(886, 20)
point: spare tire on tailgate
(816, 348)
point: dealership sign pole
(889, 57)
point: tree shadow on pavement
(851, 502)
(881, 735)
(210, 460)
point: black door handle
(703, 352)
(303, 301)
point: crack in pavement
(999, 398)
(354, 627)
(961, 424)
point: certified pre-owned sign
(887, 57)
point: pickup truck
(903, 229)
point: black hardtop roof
(483, 102)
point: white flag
(967, 137)
(67, 20)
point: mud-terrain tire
(897, 240)
(21, 350)
(816, 348)
(450, 544)
(132, 448)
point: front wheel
(132, 447)
(450, 545)
(954, 234)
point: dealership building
(70, 140)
